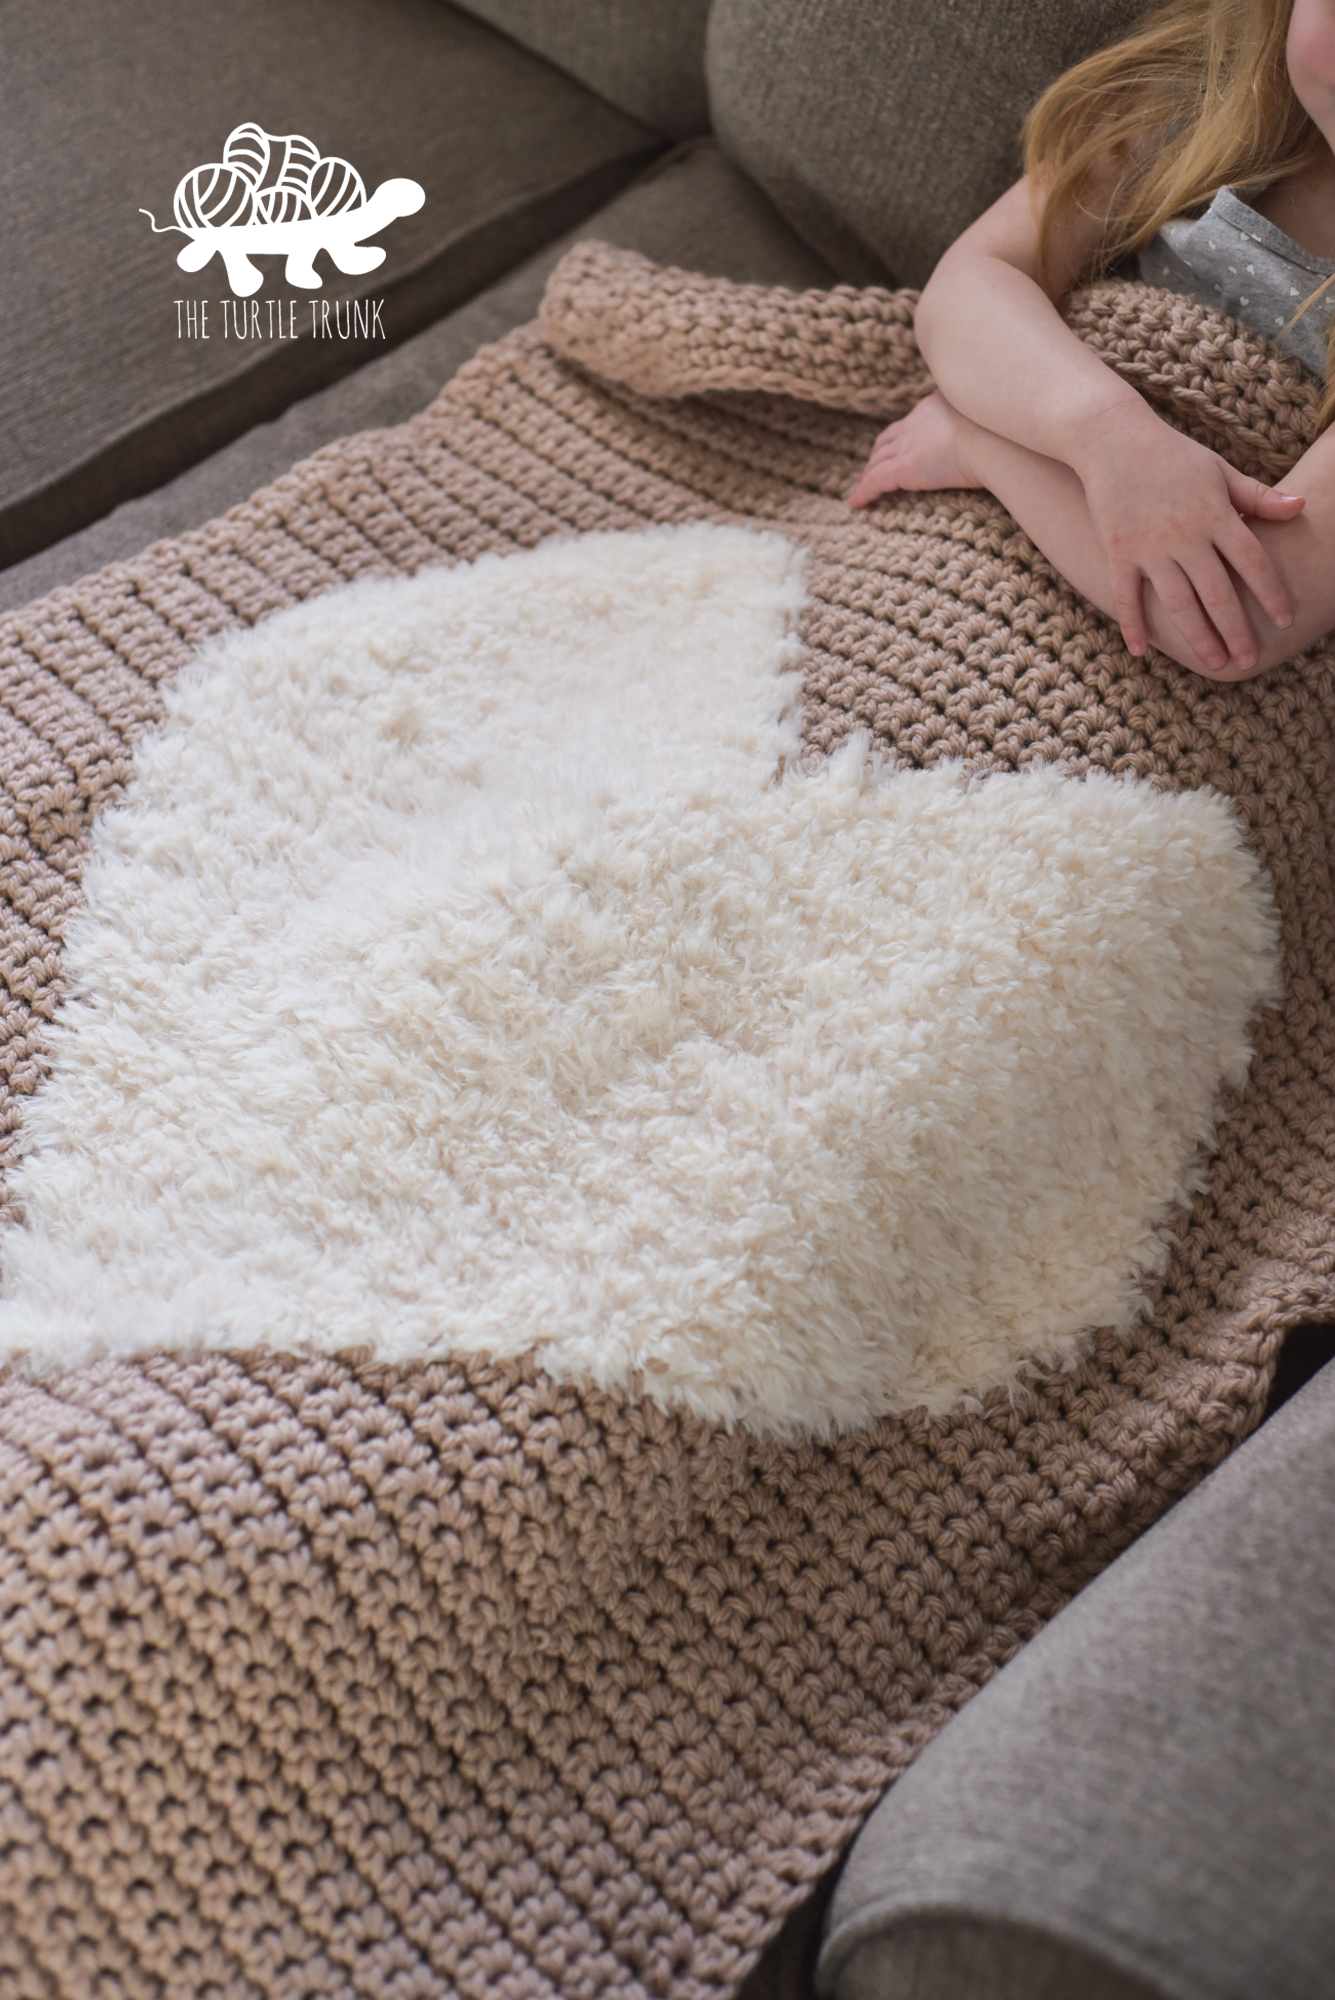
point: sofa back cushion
(882, 128)
(648, 59)
(109, 386)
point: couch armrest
(1143, 1795)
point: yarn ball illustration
(282, 204)
(267, 177)
(300, 157)
(214, 196)
(247, 150)
(335, 187)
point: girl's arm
(1048, 501)
(1166, 512)
(996, 343)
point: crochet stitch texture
(322, 1677)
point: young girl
(1230, 99)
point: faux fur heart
(473, 966)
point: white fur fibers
(457, 977)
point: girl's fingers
(885, 444)
(1253, 496)
(1283, 506)
(1241, 548)
(873, 483)
(1128, 606)
(875, 477)
(1254, 566)
(1217, 594)
(1184, 608)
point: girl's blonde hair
(1208, 82)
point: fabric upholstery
(956, 1958)
(692, 208)
(107, 105)
(882, 128)
(650, 60)
(1145, 1790)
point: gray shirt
(1232, 258)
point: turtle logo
(282, 196)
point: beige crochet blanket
(325, 1677)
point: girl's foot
(924, 450)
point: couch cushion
(99, 397)
(692, 208)
(1144, 1793)
(648, 59)
(883, 127)
(954, 1958)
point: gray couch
(1140, 1806)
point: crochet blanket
(476, 966)
(329, 1674)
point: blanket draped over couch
(324, 1676)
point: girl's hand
(1169, 512)
(920, 452)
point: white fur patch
(456, 977)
